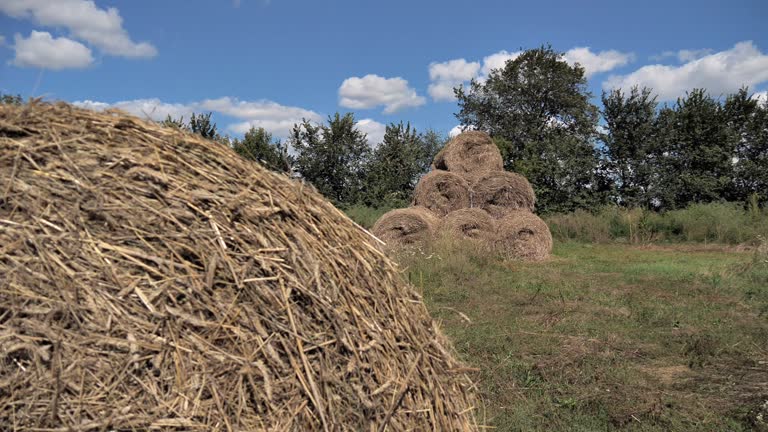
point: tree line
(632, 152)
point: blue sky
(271, 62)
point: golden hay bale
(469, 151)
(521, 235)
(468, 224)
(152, 279)
(499, 192)
(441, 192)
(406, 226)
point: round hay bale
(521, 235)
(499, 192)
(152, 279)
(469, 224)
(441, 192)
(468, 152)
(406, 226)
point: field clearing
(607, 337)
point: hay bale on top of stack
(476, 200)
(154, 280)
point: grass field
(607, 337)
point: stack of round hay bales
(469, 196)
(154, 280)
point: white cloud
(372, 90)
(85, 21)
(761, 97)
(691, 55)
(721, 72)
(447, 75)
(497, 61)
(41, 50)
(373, 129)
(443, 90)
(597, 62)
(453, 70)
(275, 118)
(153, 109)
(459, 129)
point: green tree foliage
(258, 145)
(747, 122)
(332, 157)
(539, 108)
(10, 99)
(629, 142)
(695, 153)
(202, 125)
(398, 162)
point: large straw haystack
(468, 152)
(499, 192)
(406, 226)
(442, 192)
(152, 279)
(523, 236)
(469, 224)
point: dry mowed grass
(608, 337)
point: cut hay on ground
(468, 152)
(442, 192)
(523, 236)
(499, 192)
(151, 279)
(469, 224)
(406, 226)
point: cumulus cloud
(41, 50)
(372, 90)
(683, 56)
(373, 129)
(272, 116)
(153, 108)
(459, 129)
(275, 118)
(447, 75)
(593, 63)
(720, 72)
(102, 28)
(761, 97)
(497, 61)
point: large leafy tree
(258, 145)
(630, 122)
(398, 162)
(332, 157)
(695, 152)
(537, 108)
(747, 122)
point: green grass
(607, 337)
(728, 223)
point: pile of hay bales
(154, 280)
(471, 197)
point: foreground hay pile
(155, 280)
(477, 201)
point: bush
(715, 222)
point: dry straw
(469, 224)
(406, 226)
(523, 236)
(468, 152)
(152, 279)
(499, 192)
(442, 192)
